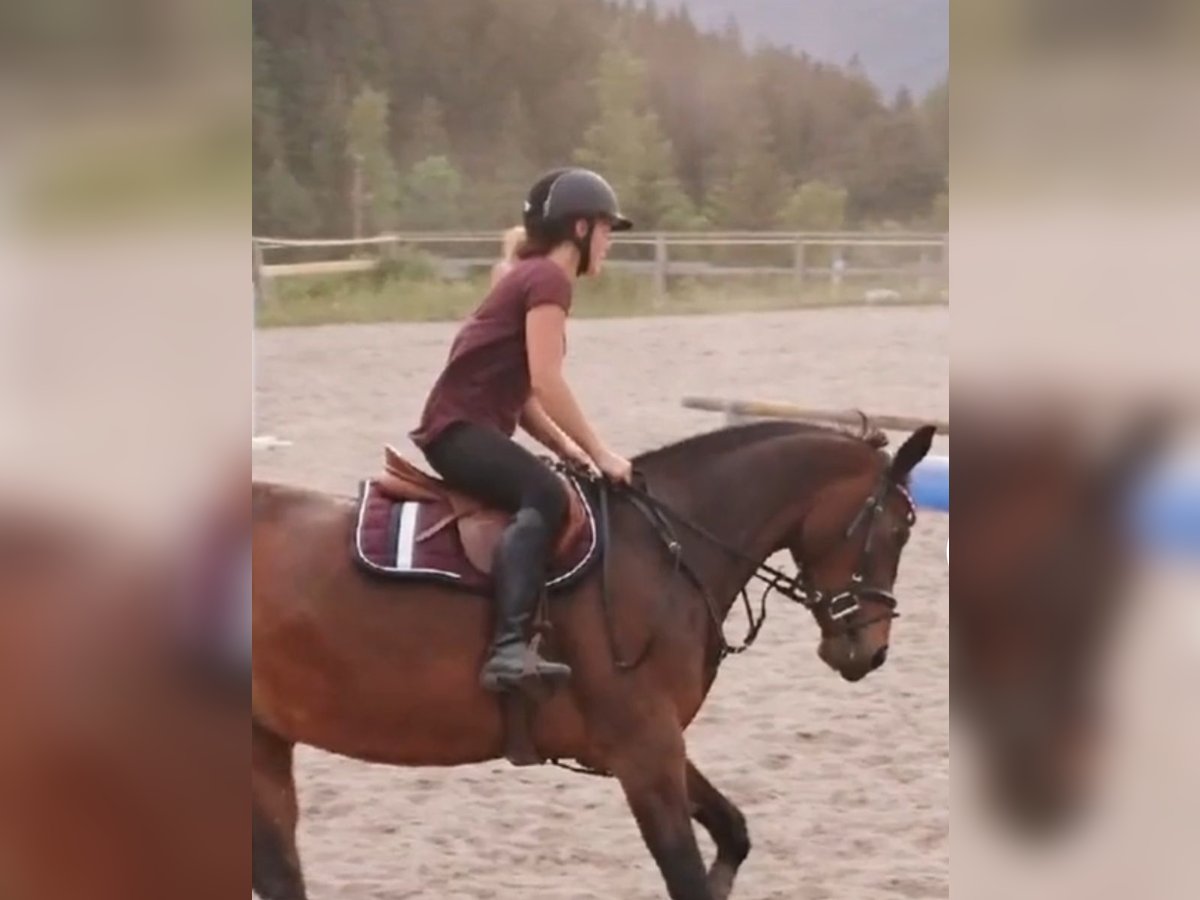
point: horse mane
(732, 436)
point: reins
(659, 515)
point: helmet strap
(584, 246)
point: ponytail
(511, 243)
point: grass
(403, 294)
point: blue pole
(930, 483)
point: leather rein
(841, 603)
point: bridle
(844, 603)
(839, 605)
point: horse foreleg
(274, 812)
(652, 774)
(727, 826)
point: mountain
(898, 42)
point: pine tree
(282, 205)
(374, 192)
(330, 164)
(894, 172)
(626, 144)
(751, 192)
(935, 114)
(265, 114)
(661, 199)
(815, 206)
(432, 194)
(496, 203)
(428, 136)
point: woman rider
(504, 369)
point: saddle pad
(386, 543)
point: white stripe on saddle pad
(405, 535)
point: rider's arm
(545, 334)
(541, 427)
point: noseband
(845, 602)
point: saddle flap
(479, 526)
(480, 533)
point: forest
(373, 115)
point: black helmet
(564, 195)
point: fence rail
(917, 258)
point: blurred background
(127, 306)
(1075, 640)
(126, 309)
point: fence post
(257, 441)
(660, 267)
(256, 274)
(798, 266)
(356, 194)
(836, 267)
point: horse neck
(752, 498)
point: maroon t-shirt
(486, 379)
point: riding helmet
(563, 196)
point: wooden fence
(912, 259)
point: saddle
(479, 526)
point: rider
(505, 369)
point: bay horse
(387, 673)
(123, 736)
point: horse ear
(912, 451)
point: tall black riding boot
(520, 573)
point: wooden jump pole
(740, 410)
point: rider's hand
(572, 453)
(617, 468)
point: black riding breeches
(485, 464)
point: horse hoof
(720, 881)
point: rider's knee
(551, 503)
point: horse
(123, 748)
(386, 672)
(1042, 566)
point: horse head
(847, 551)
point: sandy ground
(845, 787)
